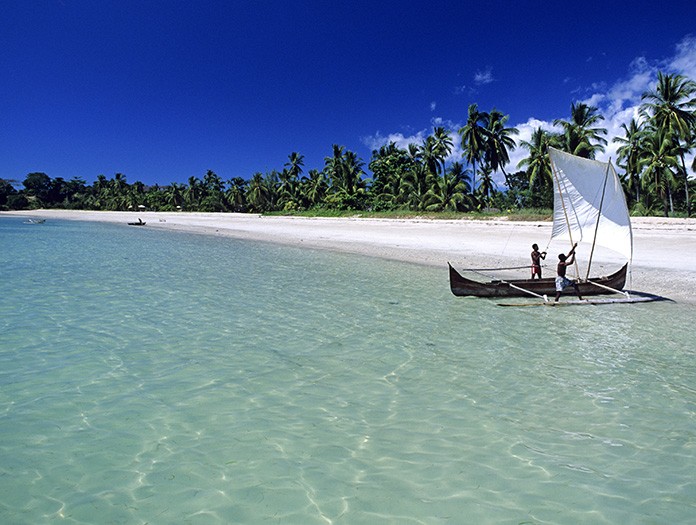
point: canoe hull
(461, 286)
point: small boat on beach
(462, 286)
(139, 223)
(588, 205)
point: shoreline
(663, 261)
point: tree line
(419, 178)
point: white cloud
(402, 141)
(433, 105)
(684, 61)
(525, 134)
(484, 77)
(618, 103)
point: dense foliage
(652, 155)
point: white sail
(589, 203)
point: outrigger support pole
(544, 297)
(609, 288)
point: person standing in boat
(562, 282)
(537, 257)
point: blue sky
(164, 90)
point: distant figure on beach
(537, 256)
(562, 282)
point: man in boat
(562, 282)
(537, 256)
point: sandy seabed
(663, 262)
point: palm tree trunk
(473, 184)
(686, 186)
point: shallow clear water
(161, 377)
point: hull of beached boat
(461, 286)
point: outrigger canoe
(461, 286)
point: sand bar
(664, 261)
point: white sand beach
(663, 262)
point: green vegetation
(416, 181)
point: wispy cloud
(464, 90)
(684, 60)
(484, 77)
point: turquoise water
(161, 377)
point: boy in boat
(562, 282)
(537, 256)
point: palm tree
(333, 165)
(659, 164)
(288, 190)
(174, 195)
(499, 141)
(193, 193)
(672, 106)
(388, 164)
(473, 136)
(442, 147)
(294, 165)
(415, 186)
(449, 193)
(315, 187)
(258, 194)
(236, 194)
(457, 170)
(212, 193)
(538, 164)
(345, 171)
(487, 186)
(212, 182)
(579, 136)
(431, 158)
(353, 183)
(290, 197)
(629, 155)
(118, 183)
(116, 194)
(100, 189)
(392, 170)
(271, 182)
(136, 195)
